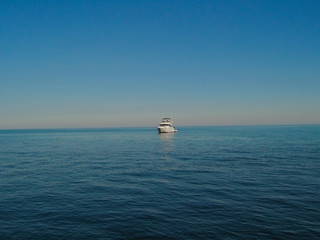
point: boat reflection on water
(167, 136)
(167, 146)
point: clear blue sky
(129, 63)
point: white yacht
(166, 126)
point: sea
(224, 182)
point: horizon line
(183, 126)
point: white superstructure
(166, 126)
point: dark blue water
(132, 183)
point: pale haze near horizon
(129, 63)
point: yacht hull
(166, 130)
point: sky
(101, 63)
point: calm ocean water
(259, 182)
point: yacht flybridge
(166, 126)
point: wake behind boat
(166, 126)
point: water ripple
(201, 183)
